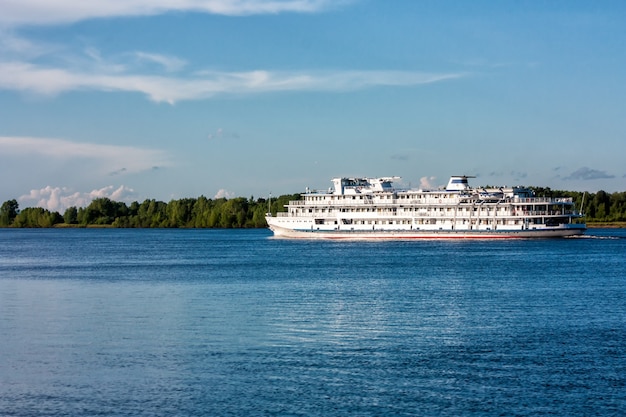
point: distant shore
(592, 225)
(607, 225)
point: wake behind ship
(372, 208)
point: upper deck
(353, 186)
(350, 192)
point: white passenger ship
(372, 208)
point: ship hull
(544, 233)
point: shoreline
(606, 225)
(593, 225)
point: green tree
(617, 211)
(37, 217)
(258, 213)
(133, 209)
(180, 212)
(8, 212)
(71, 215)
(233, 213)
(603, 205)
(215, 214)
(95, 212)
(152, 213)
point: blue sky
(168, 99)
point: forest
(198, 212)
(240, 212)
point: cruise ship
(372, 208)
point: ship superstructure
(372, 208)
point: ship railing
(369, 202)
(428, 200)
(433, 202)
(536, 213)
(544, 200)
(346, 203)
(437, 214)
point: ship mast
(582, 204)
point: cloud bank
(37, 12)
(586, 173)
(37, 79)
(59, 199)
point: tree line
(237, 212)
(598, 207)
(198, 212)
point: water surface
(233, 323)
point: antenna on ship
(269, 204)
(582, 204)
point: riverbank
(609, 225)
(590, 225)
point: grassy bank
(614, 225)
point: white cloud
(224, 194)
(23, 76)
(103, 159)
(15, 45)
(427, 183)
(38, 12)
(169, 63)
(222, 134)
(61, 198)
(136, 72)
